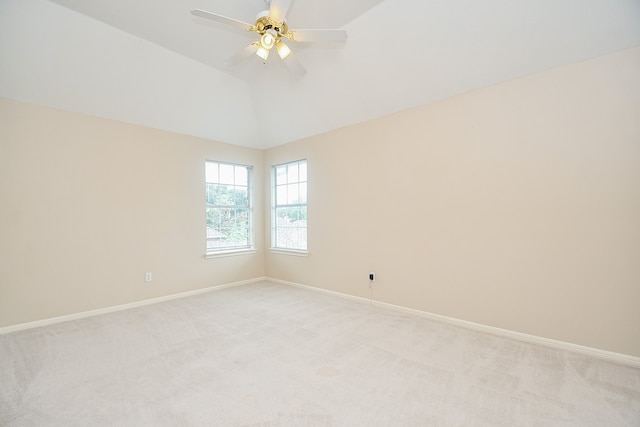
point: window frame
(274, 207)
(231, 250)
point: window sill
(291, 252)
(221, 254)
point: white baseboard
(610, 356)
(519, 336)
(75, 316)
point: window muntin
(289, 207)
(228, 198)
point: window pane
(292, 173)
(281, 195)
(218, 219)
(226, 174)
(223, 197)
(281, 175)
(242, 177)
(211, 218)
(238, 227)
(302, 190)
(211, 193)
(291, 238)
(211, 172)
(241, 196)
(292, 194)
(303, 171)
(281, 238)
(291, 216)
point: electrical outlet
(372, 276)
(147, 277)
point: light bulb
(283, 49)
(267, 40)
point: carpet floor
(266, 354)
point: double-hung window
(289, 206)
(228, 196)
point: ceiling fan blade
(294, 66)
(278, 9)
(220, 18)
(241, 56)
(318, 36)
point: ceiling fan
(271, 25)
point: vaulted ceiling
(150, 62)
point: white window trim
(226, 253)
(291, 252)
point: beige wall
(516, 206)
(88, 205)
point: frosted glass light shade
(283, 49)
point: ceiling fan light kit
(272, 28)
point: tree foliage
(228, 212)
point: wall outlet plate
(147, 277)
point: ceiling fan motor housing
(264, 22)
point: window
(289, 213)
(228, 194)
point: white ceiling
(149, 62)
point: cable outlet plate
(372, 276)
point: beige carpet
(272, 355)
